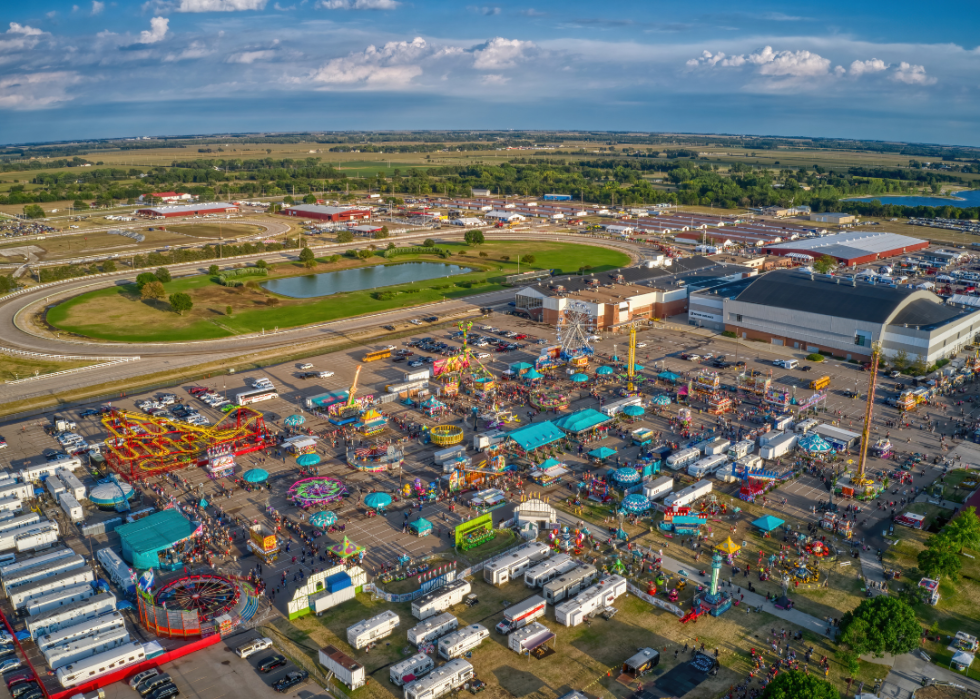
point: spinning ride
(384, 457)
(208, 595)
(446, 435)
(319, 490)
(549, 399)
(143, 445)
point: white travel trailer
(21, 491)
(69, 615)
(23, 594)
(38, 573)
(707, 465)
(73, 485)
(411, 669)
(92, 627)
(441, 681)
(569, 584)
(549, 569)
(682, 459)
(71, 506)
(59, 598)
(361, 634)
(687, 495)
(347, 670)
(441, 599)
(11, 506)
(597, 597)
(740, 449)
(8, 525)
(59, 656)
(120, 573)
(29, 538)
(101, 664)
(654, 489)
(532, 636)
(511, 565)
(55, 486)
(8, 569)
(462, 640)
(432, 628)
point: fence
(656, 602)
(300, 657)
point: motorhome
(462, 640)
(598, 597)
(511, 565)
(569, 584)
(441, 599)
(101, 664)
(549, 569)
(361, 634)
(411, 669)
(432, 628)
(440, 681)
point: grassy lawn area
(954, 489)
(501, 541)
(14, 367)
(119, 314)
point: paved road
(159, 357)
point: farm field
(119, 314)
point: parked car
(140, 676)
(10, 664)
(164, 692)
(253, 646)
(19, 690)
(271, 663)
(290, 680)
(88, 412)
(306, 365)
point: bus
(822, 382)
(248, 397)
(376, 355)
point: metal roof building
(856, 248)
(817, 312)
(212, 207)
(321, 212)
(144, 540)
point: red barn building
(850, 249)
(212, 207)
(320, 212)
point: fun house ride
(145, 445)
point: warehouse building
(823, 313)
(657, 289)
(851, 249)
(321, 212)
(838, 218)
(212, 207)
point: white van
(786, 363)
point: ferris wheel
(575, 326)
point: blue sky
(93, 68)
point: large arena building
(321, 212)
(201, 209)
(850, 249)
(823, 313)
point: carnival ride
(755, 482)
(446, 435)
(449, 371)
(755, 384)
(863, 487)
(371, 423)
(381, 457)
(142, 445)
(346, 412)
(318, 490)
(550, 399)
(209, 595)
(575, 325)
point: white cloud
(872, 65)
(487, 10)
(392, 66)
(24, 30)
(218, 5)
(279, 7)
(158, 30)
(912, 75)
(500, 53)
(494, 79)
(357, 4)
(796, 64)
(197, 49)
(20, 37)
(250, 57)
(36, 90)
(97, 7)
(531, 12)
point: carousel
(635, 504)
(626, 478)
(813, 444)
(660, 401)
(382, 457)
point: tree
(901, 360)
(34, 211)
(228, 310)
(880, 625)
(527, 259)
(474, 237)
(181, 302)
(309, 199)
(145, 278)
(306, 255)
(345, 237)
(214, 270)
(288, 200)
(163, 274)
(793, 684)
(428, 243)
(272, 301)
(79, 204)
(108, 266)
(964, 530)
(309, 264)
(262, 264)
(153, 290)
(940, 557)
(824, 264)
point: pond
(313, 285)
(963, 200)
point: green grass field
(118, 314)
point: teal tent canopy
(518, 367)
(635, 503)
(581, 420)
(668, 376)
(580, 378)
(255, 475)
(308, 459)
(377, 501)
(536, 435)
(323, 519)
(294, 420)
(767, 523)
(533, 374)
(602, 453)
(545, 465)
(421, 525)
(633, 410)
(604, 370)
(203, 503)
